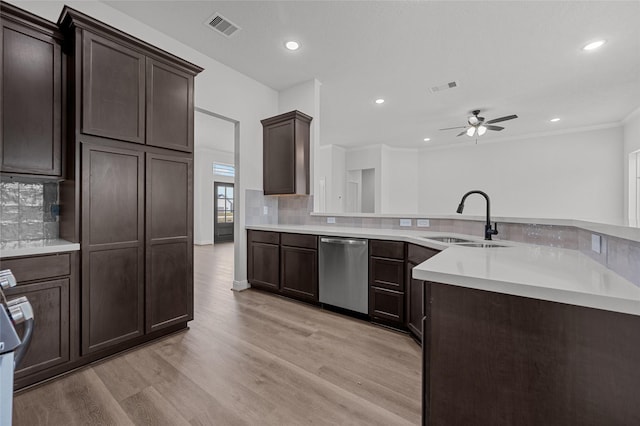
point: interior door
(223, 212)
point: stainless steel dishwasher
(343, 273)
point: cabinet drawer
(38, 267)
(390, 249)
(264, 237)
(418, 254)
(386, 304)
(299, 240)
(387, 273)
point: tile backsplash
(26, 210)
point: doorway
(223, 216)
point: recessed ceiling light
(292, 45)
(553, 120)
(426, 139)
(379, 101)
(594, 45)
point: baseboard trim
(203, 243)
(240, 285)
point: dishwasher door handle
(343, 241)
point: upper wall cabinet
(130, 91)
(113, 92)
(286, 153)
(31, 90)
(169, 107)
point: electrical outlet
(595, 243)
(265, 210)
(331, 220)
(405, 222)
(423, 223)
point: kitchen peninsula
(518, 333)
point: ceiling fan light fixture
(473, 120)
(481, 130)
(471, 131)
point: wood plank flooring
(249, 358)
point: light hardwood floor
(249, 358)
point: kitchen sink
(480, 245)
(449, 240)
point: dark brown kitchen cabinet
(169, 241)
(263, 259)
(286, 153)
(169, 107)
(31, 87)
(386, 282)
(415, 288)
(299, 266)
(112, 246)
(113, 89)
(48, 283)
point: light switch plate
(405, 222)
(595, 243)
(265, 210)
(423, 223)
(331, 220)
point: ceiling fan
(477, 125)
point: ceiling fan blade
(461, 133)
(505, 118)
(490, 127)
(451, 128)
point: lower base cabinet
(386, 304)
(48, 282)
(283, 263)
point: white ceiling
(510, 57)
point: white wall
(570, 176)
(305, 97)
(214, 143)
(399, 181)
(369, 157)
(330, 167)
(218, 88)
(631, 137)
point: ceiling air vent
(222, 25)
(446, 86)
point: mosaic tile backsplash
(27, 211)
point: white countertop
(29, 248)
(545, 273)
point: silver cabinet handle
(343, 241)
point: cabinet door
(264, 265)
(113, 84)
(299, 273)
(50, 340)
(169, 107)
(415, 311)
(112, 246)
(169, 241)
(279, 168)
(31, 101)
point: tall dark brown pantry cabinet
(132, 117)
(112, 246)
(286, 140)
(31, 87)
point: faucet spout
(488, 230)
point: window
(224, 170)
